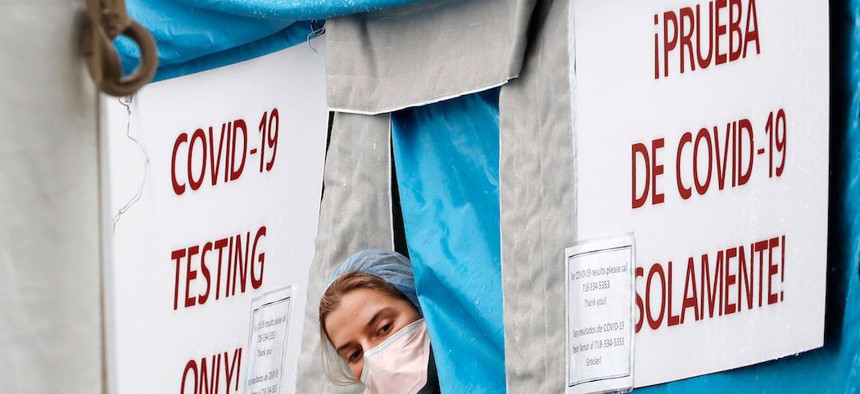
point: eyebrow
(371, 323)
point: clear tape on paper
(600, 290)
(267, 341)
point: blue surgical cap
(387, 265)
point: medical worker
(372, 328)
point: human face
(363, 319)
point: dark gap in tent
(327, 145)
(838, 233)
(399, 231)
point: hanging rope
(107, 19)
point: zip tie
(315, 33)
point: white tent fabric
(355, 214)
(537, 204)
(49, 233)
(395, 58)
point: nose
(357, 369)
(366, 344)
(370, 342)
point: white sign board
(215, 207)
(702, 128)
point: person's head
(358, 312)
(369, 298)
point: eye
(385, 329)
(355, 356)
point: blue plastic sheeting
(196, 35)
(295, 34)
(294, 10)
(447, 162)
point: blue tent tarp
(197, 35)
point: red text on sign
(653, 169)
(222, 263)
(717, 284)
(713, 158)
(729, 153)
(204, 376)
(203, 154)
(680, 36)
(207, 156)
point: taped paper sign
(267, 342)
(702, 127)
(228, 210)
(600, 304)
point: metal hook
(107, 19)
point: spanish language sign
(214, 188)
(600, 306)
(702, 128)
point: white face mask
(399, 364)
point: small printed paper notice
(600, 305)
(267, 345)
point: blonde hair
(334, 366)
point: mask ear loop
(333, 365)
